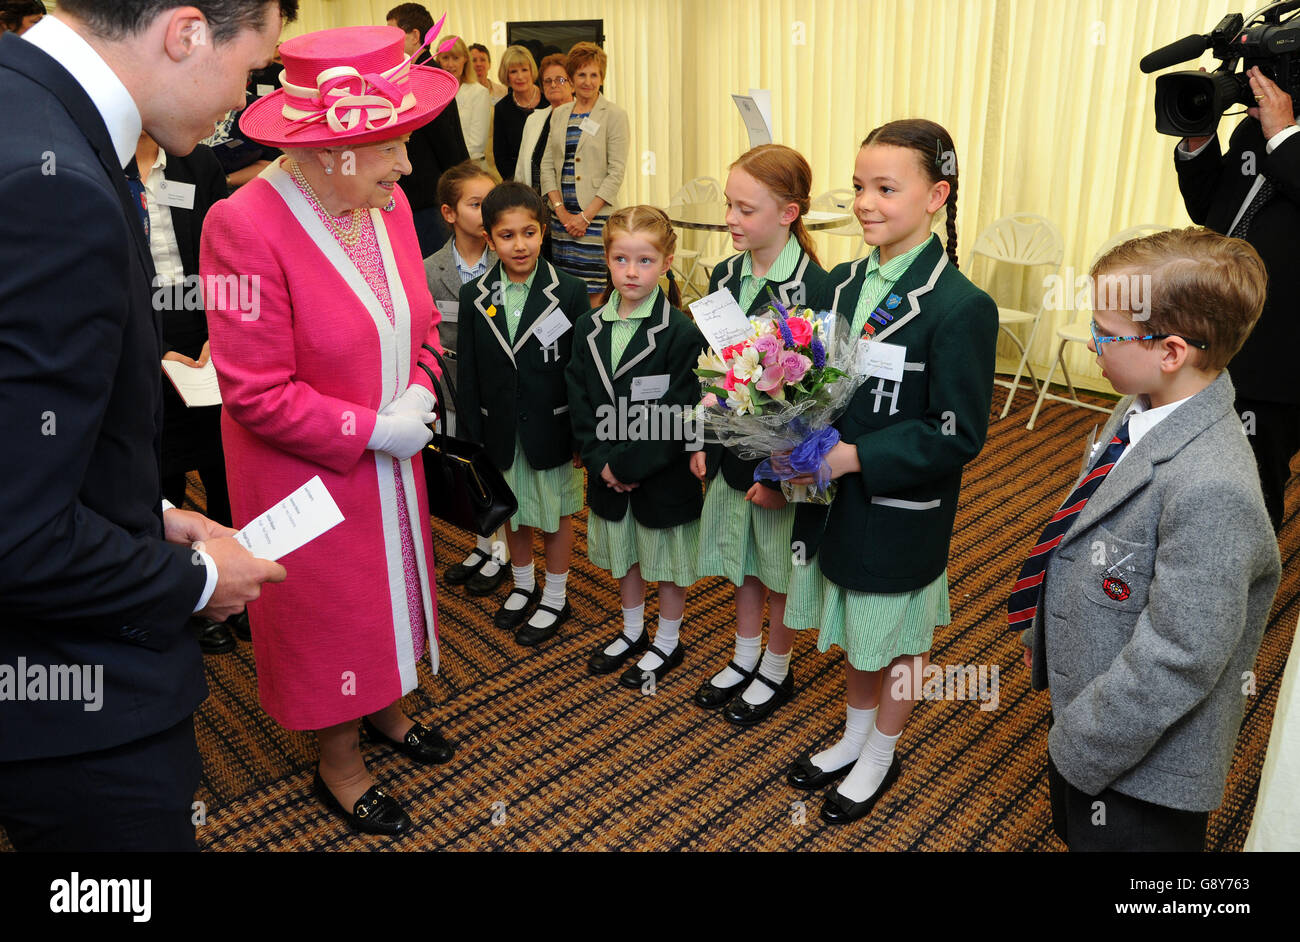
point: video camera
(1190, 104)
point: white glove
(416, 400)
(401, 435)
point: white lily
(747, 367)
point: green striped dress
(544, 495)
(872, 628)
(665, 555)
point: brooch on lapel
(492, 310)
(1115, 586)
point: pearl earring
(329, 169)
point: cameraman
(1221, 192)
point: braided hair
(938, 158)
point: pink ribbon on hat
(344, 98)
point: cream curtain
(1043, 98)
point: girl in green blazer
(874, 578)
(516, 335)
(631, 393)
(768, 191)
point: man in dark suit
(1253, 193)
(438, 145)
(99, 679)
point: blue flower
(818, 354)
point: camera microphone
(1189, 47)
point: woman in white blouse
(558, 91)
(472, 101)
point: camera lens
(1191, 105)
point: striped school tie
(1025, 593)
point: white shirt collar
(464, 265)
(1142, 418)
(105, 90)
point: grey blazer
(1148, 682)
(444, 284)
(600, 159)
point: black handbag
(465, 488)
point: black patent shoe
(240, 626)
(634, 676)
(461, 573)
(422, 743)
(741, 713)
(602, 663)
(840, 810)
(804, 774)
(711, 696)
(530, 635)
(508, 619)
(374, 813)
(480, 584)
(214, 637)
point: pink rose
(709, 401)
(800, 330)
(794, 365)
(729, 381)
(768, 343)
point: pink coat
(305, 357)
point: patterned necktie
(137, 193)
(1262, 196)
(1025, 593)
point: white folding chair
(1078, 331)
(841, 201)
(690, 264)
(1027, 240)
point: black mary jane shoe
(839, 810)
(741, 713)
(710, 696)
(634, 676)
(530, 635)
(422, 743)
(804, 774)
(240, 626)
(480, 584)
(374, 813)
(602, 663)
(461, 573)
(214, 636)
(508, 619)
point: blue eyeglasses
(1099, 339)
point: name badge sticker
(650, 387)
(588, 126)
(551, 329)
(875, 358)
(175, 193)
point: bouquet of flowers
(775, 394)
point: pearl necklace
(348, 235)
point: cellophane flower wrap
(775, 395)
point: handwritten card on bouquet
(720, 319)
(294, 522)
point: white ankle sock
(857, 726)
(633, 625)
(665, 639)
(869, 771)
(553, 597)
(746, 656)
(774, 667)
(525, 581)
(482, 550)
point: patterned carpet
(549, 758)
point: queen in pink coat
(319, 314)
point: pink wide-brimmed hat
(351, 85)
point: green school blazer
(803, 289)
(667, 343)
(890, 526)
(507, 389)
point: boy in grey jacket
(1147, 595)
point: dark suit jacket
(1213, 188)
(518, 389)
(803, 288)
(889, 527)
(433, 149)
(85, 577)
(666, 342)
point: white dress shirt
(1141, 420)
(166, 250)
(122, 118)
